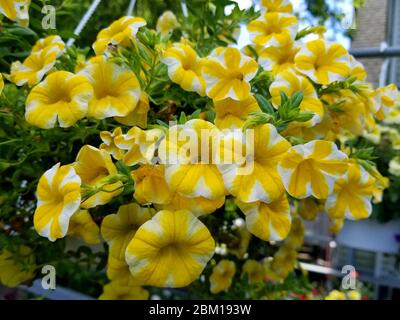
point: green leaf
(264, 104)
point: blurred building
(378, 26)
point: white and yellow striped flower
(140, 145)
(116, 89)
(121, 32)
(291, 83)
(254, 271)
(94, 167)
(58, 198)
(118, 230)
(231, 114)
(109, 145)
(83, 227)
(268, 221)
(352, 195)
(255, 178)
(137, 117)
(387, 99)
(62, 98)
(17, 267)
(184, 67)
(189, 158)
(357, 69)
(170, 236)
(311, 169)
(222, 276)
(16, 10)
(115, 290)
(284, 6)
(34, 67)
(323, 62)
(278, 59)
(227, 73)
(166, 23)
(273, 29)
(53, 43)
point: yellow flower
(116, 89)
(227, 73)
(231, 114)
(254, 271)
(296, 234)
(62, 97)
(34, 67)
(336, 295)
(393, 116)
(187, 154)
(53, 43)
(268, 221)
(150, 185)
(119, 291)
(108, 144)
(394, 166)
(239, 248)
(278, 59)
(16, 10)
(308, 209)
(273, 29)
(336, 225)
(170, 250)
(138, 117)
(83, 227)
(184, 67)
(323, 62)
(311, 169)
(95, 166)
(1, 83)
(120, 32)
(222, 276)
(118, 230)
(387, 99)
(353, 295)
(256, 178)
(277, 6)
(352, 194)
(58, 198)
(166, 23)
(16, 267)
(140, 145)
(284, 261)
(357, 69)
(291, 83)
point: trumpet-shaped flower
(34, 67)
(170, 237)
(137, 117)
(278, 59)
(95, 167)
(16, 10)
(227, 73)
(352, 194)
(336, 295)
(308, 209)
(284, 6)
(118, 230)
(231, 114)
(291, 83)
(62, 97)
(311, 169)
(188, 151)
(52, 43)
(116, 89)
(323, 62)
(58, 198)
(184, 67)
(273, 29)
(222, 276)
(255, 178)
(254, 271)
(387, 99)
(357, 69)
(119, 291)
(166, 23)
(120, 32)
(16, 267)
(140, 145)
(83, 227)
(268, 221)
(108, 144)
